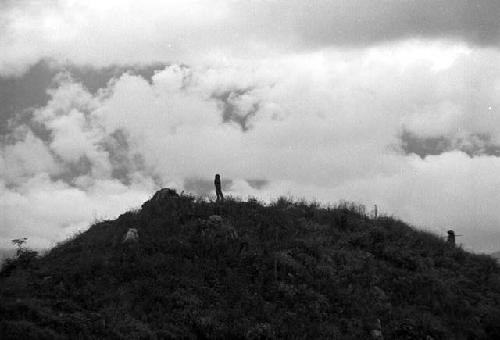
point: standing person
(218, 190)
(451, 237)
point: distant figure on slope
(218, 190)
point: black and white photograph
(250, 169)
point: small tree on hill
(24, 255)
(19, 243)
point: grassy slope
(279, 271)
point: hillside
(283, 270)
(8, 253)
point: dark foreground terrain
(285, 270)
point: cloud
(324, 125)
(194, 31)
(26, 158)
(361, 22)
(472, 145)
(387, 102)
(19, 95)
(47, 211)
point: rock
(231, 233)
(164, 194)
(374, 329)
(215, 219)
(214, 228)
(157, 203)
(376, 334)
(132, 235)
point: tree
(19, 242)
(24, 255)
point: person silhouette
(451, 237)
(218, 190)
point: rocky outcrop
(132, 235)
(162, 199)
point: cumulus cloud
(191, 31)
(47, 211)
(324, 125)
(387, 102)
(25, 158)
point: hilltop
(247, 270)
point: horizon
(394, 104)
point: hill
(246, 270)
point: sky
(391, 102)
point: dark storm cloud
(96, 78)
(257, 183)
(19, 94)
(122, 162)
(231, 111)
(147, 31)
(474, 145)
(422, 147)
(361, 22)
(73, 170)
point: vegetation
(284, 270)
(23, 257)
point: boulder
(215, 219)
(132, 235)
(163, 194)
(214, 227)
(374, 328)
(162, 199)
